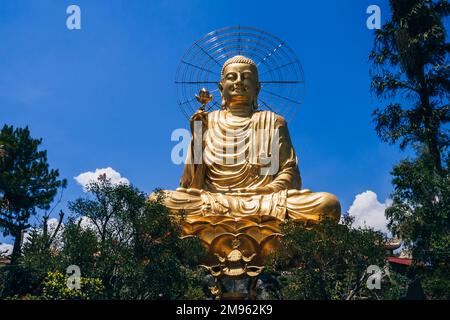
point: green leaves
(26, 182)
(410, 59)
(420, 215)
(139, 253)
(326, 262)
(126, 247)
(55, 288)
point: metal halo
(280, 71)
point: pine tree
(26, 183)
(411, 63)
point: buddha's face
(239, 85)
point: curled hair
(238, 59)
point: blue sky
(104, 96)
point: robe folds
(247, 166)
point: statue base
(237, 249)
(231, 288)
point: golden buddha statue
(233, 177)
(241, 180)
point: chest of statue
(231, 140)
(236, 148)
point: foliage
(40, 255)
(26, 182)
(140, 254)
(80, 246)
(394, 286)
(411, 60)
(119, 238)
(326, 262)
(420, 215)
(55, 288)
(436, 283)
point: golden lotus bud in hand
(204, 97)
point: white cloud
(86, 223)
(6, 249)
(52, 224)
(368, 211)
(85, 178)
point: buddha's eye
(231, 76)
(246, 75)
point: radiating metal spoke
(196, 82)
(211, 107)
(279, 67)
(187, 101)
(239, 40)
(212, 58)
(283, 82)
(281, 97)
(265, 104)
(271, 53)
(200, 68)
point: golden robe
(240, 155)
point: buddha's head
(239, 85)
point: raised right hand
(200, 115)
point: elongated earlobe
(224, 101)
(255, 102)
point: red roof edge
(402, 261)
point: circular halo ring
(280, 72)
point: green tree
(26, 183)
(140, 254)
(411, 65)
(326, 262)
(410, 59)
(40, 255)
(420, 215)
(79, 246)
(130, 245)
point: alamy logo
(376, 275)
(74, 279)
(374, 20)
(73, 21)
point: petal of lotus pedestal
(236, 242)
